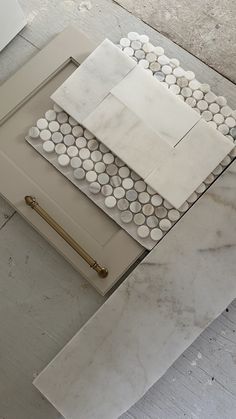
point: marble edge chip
(87, 86)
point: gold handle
(102, 272)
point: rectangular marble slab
(82, 92)
(161, 111)
(158, 311)
(195, 157)
(123, 132)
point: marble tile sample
(174, 172)
(161, 138)
(194, 158)
(156, 313)
(92, 81)
(159, 110)
(123, 132)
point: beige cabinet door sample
(24, 172)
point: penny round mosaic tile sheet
(103, 177)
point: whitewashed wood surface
(44, 302)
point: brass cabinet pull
(102, 272)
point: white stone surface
(12, 20)
(153, 316)
(92, 81)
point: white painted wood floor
(43, 301)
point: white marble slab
(189, 163)
(123, 132)
(92, 81)
(12, 20)
(159, 310)
(159, 109)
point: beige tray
(23, 171)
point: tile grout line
(8, 219)
(31, 43)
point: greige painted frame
(23, 172)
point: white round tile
(48, 146)
(192, 198)
(96, 156)
(226, 111)
(124, 172)
(42, 123)
(93, 145)
(178, 72)
(202, 105)
(88, 165)
(230, 122)
(165, 224)
(128, 183)
(108, 158)
(50, 115)
(115, 181)
(166, 69)
(88, 135)
(156, 234)
(79, 173)
(72, 121)
(110, 201)
(170, 79)
(209, 179)
(173, 215)
(197, 94)
(194, 84)
(94, 188)
(103, 148)
(126, 217)
(207, 115)
(103, 178)
(140, 186)
(186, 92)
(161, 212)
(34, 132)
(143, 232)
(189, 75)
(223, 128)
(152, 221)
(184, 207)
(144, 39)
(53, 126)
(167, 205)
(63, 160)
(136, 45)
(131, 195)
(148, 209)
(81, 142)
(65, 129)
(45, 135)
(100, 167)
(125, 42)
(163, 60)
(112, 169)
(57, 137)
(159, 51)
(91, 176)
(154, 66)
(62, 117)
(214, 108)
(175, 89)
(107, 190)
(210, 97)
(77, 131)
(182, 82)
(226, 161)
(60, 148)
(133, 36)
(218, 170)
(72, 151)
(205, 88)
(143, 63)
(201, 188)
(123, 204)
(119, 192)
(159, 76)
(84, 153)
(143, 197)
(156, 200)
(128, 51)
(139, 219)
(75, 162)
(218, 118)
(150, 190)
(135, 207)
(191, 101)
(221, 101)
(212, 124)
(69, 140)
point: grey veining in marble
(159, 110)
(92, 81)
(178, 289)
